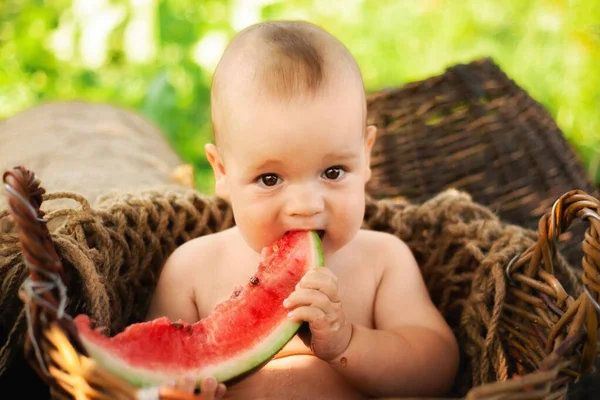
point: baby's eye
(333, 173)
(268, 180)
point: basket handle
(43, 292)
(581, 313)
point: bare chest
(295, 372)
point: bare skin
(302, 164)
(382, 297)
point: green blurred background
(157, 57)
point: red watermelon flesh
(240, 335)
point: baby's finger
(208, 387)
(315, 317)
(309, 297)
(321, 279)
(220, 392)
(186, 384)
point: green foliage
(157, 57)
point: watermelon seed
(254, 280)
(344, 361)
(275, 248)
(177, 325)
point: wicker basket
(523, 333)
(474, 129)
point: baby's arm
(412, 351)
(174, 298)
(174, 295)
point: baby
(292, 152)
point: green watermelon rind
(223, 372)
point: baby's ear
(369, 141)
(216, 162)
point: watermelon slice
(239, 336)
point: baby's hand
(317, 302)
(209, 388)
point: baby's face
(298, 165)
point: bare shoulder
(174, 296)
(382, 241)
(401, 287)
(384, 250)
(191, 252)
(395, 260)
(399, 277)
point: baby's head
(292, 149)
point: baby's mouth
(319, 232)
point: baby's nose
(306, 200)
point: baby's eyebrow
(348, 155)
(267, 163)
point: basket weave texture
(523, 334)
(474, 129)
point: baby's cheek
(260, 228)
(348, 220)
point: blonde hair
(290, 59)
